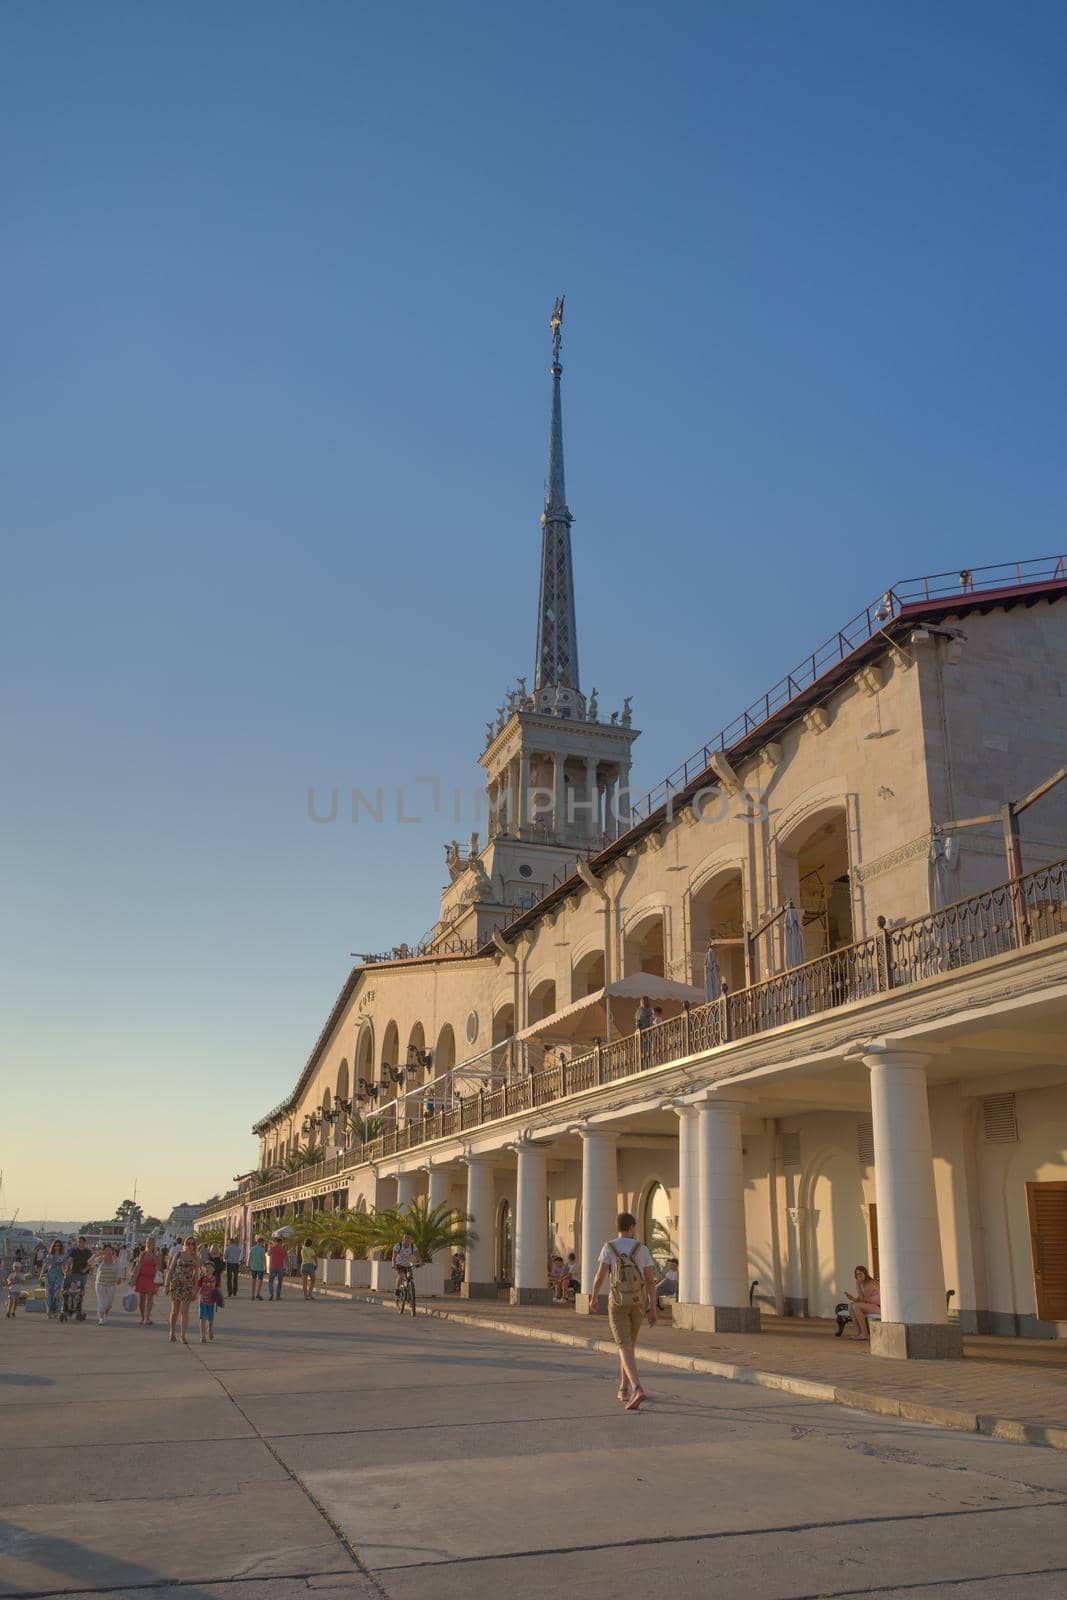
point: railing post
(724, 1032)
(885, 956)
(598, 1063)
(481, 1106)
(686, 1029)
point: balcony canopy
(611, 1010)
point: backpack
(627, 1280)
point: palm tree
(336, 1232)
(309, 1156)
(263, 1175)
(433, 1229)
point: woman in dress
(182, 1285)
(52, 1271)
(144, 1281)
(868, 1298)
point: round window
(525, 871)
(471, 1029)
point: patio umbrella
(793, 938)
(712, 975)
(282, 1233)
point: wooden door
(1047, 1207)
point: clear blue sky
(274, 430)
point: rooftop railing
(1008, 917)
(889, 605)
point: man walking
(631, 1298)
(276, 1254)
(232, 1259)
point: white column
(688, 1207)
(523, 813)
(531, 1227)
(559, 793)
(513, 795)
(430, 1279)
(600, 1201)
(480, 1282)
(723, 1250)
(622, 795)
(912, 1276)
(440, 1181)
(611, 826)
(406, 1186)
(592, 798)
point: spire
(557, 636)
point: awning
(610, 1011)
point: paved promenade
(1009, 1388)
(337, 1447)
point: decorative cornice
(866, 870)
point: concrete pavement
(336, 1446)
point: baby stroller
(73, 1295)
(843, 1313)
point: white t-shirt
(625, 1246)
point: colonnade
(517, 804)
(712, 1248)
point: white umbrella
(712, 975)
(282, 1233)
(793, 937)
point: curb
(981, 1422)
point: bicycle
(405, 1290)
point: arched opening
(416, 1070)
(717, 922)
(444, 1055)
(813, 871)
(503, 1024)
(364, 1059)
(588, 975)
(390, 1062)
(341, 1090)
(505, 1243)
(542, 1000)
(644, 948)
(656, 1227)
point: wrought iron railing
(1008, 917)
(873, 619)
(868, 622)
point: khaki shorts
(625, 1322)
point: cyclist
(405, 1257)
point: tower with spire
(556, 666)
(557, 775)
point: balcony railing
(1011, 916)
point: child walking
(13, 1283)
(210, 1297)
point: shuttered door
(1047, 1205)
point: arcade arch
(717, 921)
(645, 946)
(588, 975)
(813, 864)
(542, 1000)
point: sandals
(623, 1394)
(635, 1400)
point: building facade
(851, 905)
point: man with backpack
(631, 1298)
